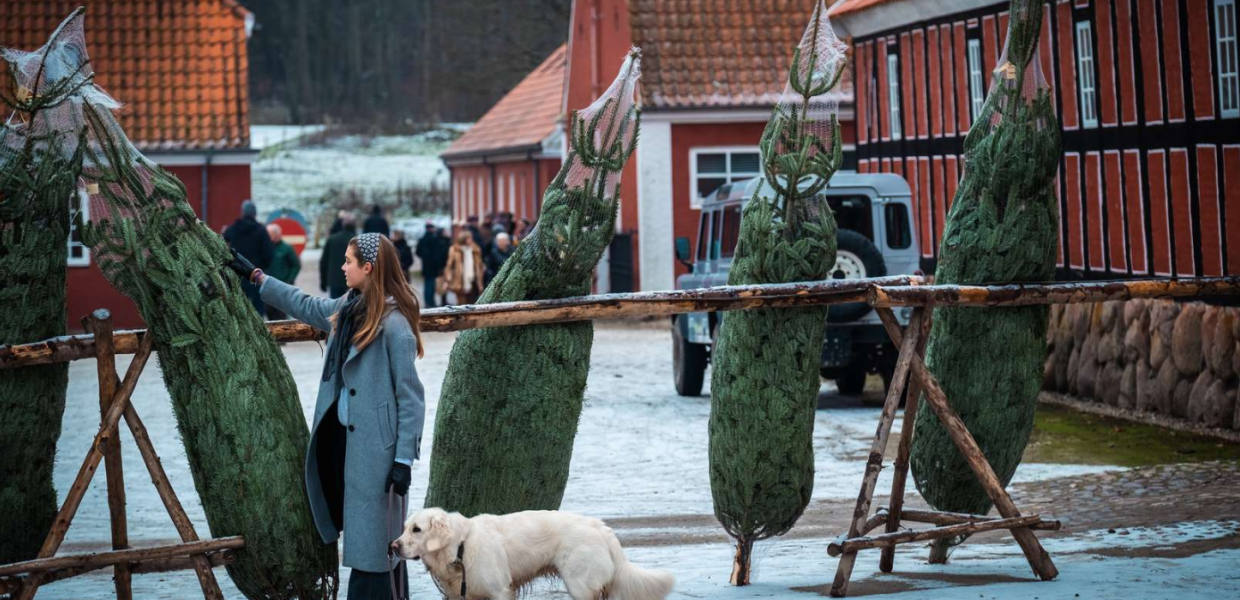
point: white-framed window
(977, 80)
(893, 95)
(1228, 72)
(79, 254)
(1085, 69)
(712, 167)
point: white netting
(805, 118)
(53, 82)
(1018, 81)
(602, 135)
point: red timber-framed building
(180, 72)
(1147, 95)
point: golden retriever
(493, 557)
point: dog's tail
(635, 583)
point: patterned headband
(368, 247)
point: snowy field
(289, 174)
(641, 455)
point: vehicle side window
(895, 217)
(717, 220)
(731, 232)
(703, 235)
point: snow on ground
(266, 136)
(298, 177)
(640, 451)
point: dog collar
(460, 561)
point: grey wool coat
(386, 413)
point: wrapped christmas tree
(512, 396)
(39, 168)
(234, 399)
(764, 382)
(1002, 228)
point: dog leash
(399, 591)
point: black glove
(399, 478)
(241, 265)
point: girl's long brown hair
(386, 279)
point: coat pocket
(387, 430)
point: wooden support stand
(911, 373)
(22, 580)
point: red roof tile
(180, 68)
(521, 119)
(719, 53)
(847, 7)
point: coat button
(352, 392)
(350, 428)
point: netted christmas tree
(39, 167)
(234, 398)
(764, 379)
(1002, 228)
(512, 396)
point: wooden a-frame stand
(22, 580)
(912, 345)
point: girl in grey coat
(367, 427)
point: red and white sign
(294, 233)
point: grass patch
(1062, 435)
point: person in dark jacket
(375, 223)
(403, 251)
(285, 265)
(248, 237)
(331, 278)
(433, 250)
(500, 251)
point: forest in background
(385, 65)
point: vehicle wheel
(852, 381)
(688, 363)
(856, 257)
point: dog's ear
(437, 533)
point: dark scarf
(351, 314)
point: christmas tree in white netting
(235, 401)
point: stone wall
(1178, 359)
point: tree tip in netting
(801, 145)
(604, 134)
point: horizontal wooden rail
(103, 559)
(1052, 293)
(508, 314)
(218, 558)
(839, 547)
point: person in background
(472, 225)
(331, 278)
(527, 227)
(375, 223)
(285, 265)
(338, 223)
(502, 249)
(464, 272)
(403, 251)
(247, 236)
(433, 250)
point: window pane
(731, 229)
(707, 185)
(712, 163)
(715, 242)
(703, 235)
(898, 234)
(744, 162)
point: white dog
(493, 557)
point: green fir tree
(764, 379)
(39, 168)
(512, 396)
(1002, 228)
(234, 399)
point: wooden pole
(106, 436)
(99, 323)
(1038, 558)
(886, 561)
(98, 560)
(509, 314)
(936, 517)
(202, 567)
(1052, 293)
(843, 571)
(853, 545)
(220, 558)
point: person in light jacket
(465, 272)
(368, 419)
